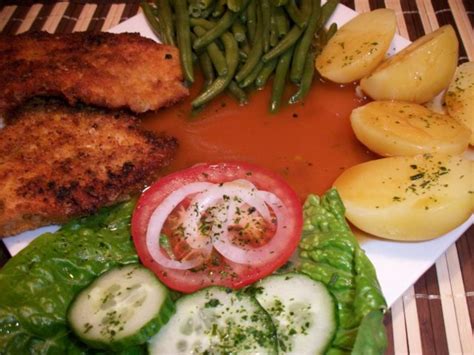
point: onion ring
(221, 201)
(209, 198)
(157, 220)
(255, 256)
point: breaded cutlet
(59, 162)
(105, 69)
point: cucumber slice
(123, 307)
(216, 321)
(303, 311)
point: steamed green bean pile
(240, 44)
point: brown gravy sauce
(308, 143)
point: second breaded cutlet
(59, 162)
(105, 69)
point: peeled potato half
(357, 47)
(460, 97)
(417, 73)
(408, 198)
(391, 128)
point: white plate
(398, 265)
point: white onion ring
(255, 256)
(243, 189)
(210, 197)
(158, 218)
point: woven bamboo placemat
(434, 316)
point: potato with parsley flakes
(408, 198)
(460, 97)
(391, 128)
(357, 47)
(417, 73)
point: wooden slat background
(434, 316)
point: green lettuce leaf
(371, 338)
(38, 284)
(330, 253)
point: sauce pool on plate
(308, 143)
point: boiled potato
(357, 47)
(400, 128)
(408, 198)
(417, 73)
(460, 96)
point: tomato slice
(217, 269)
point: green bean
(301, 49)
(224, 23)
(194, 55)
(307, 8)
(206, 24)
(331, 31)
(206, 68)
(194, 10)
(238, 30)
(255, 52)
(238, 93)
(221, 83)
(265, 73)
(201, 8)
(220, 8)
(252, 21)
(281, 21)
(266, 18)
(154, 10)
(280, 79)
(321, 39)
(288, 41)
(243, 17)
(205, 4)
(184, 39)
(151, 19)
(306, 79)
(214, 52)
(243, 55)
(300, 17)
(235, 5)
(252, 76)
(326, 11)
(207, 12)
(273, 34)
(165, 16)
(245, 46)
(279, 2)
(244, 51)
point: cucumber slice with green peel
(216, 320)
(124, 306)
(303, 311)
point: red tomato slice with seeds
(239, 239)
